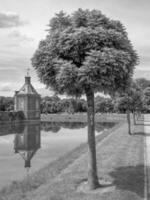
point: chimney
(27, 79)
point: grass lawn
(120, 160)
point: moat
(27, 147)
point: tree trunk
(92, 165)
(134, 118)
(129, 122)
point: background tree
(130, 102)
(83, 53)
(146, 99)
(123, 105)
(142, 83)
(6, 103)
(120, 104)
(51, 104)
(103, 105)
(81, 105)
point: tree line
(138, 100)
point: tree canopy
(85, 50)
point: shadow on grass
(139, 124)
(142, 124)
(140, 133)
(130, 178)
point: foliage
(103, 105)
(6, 103)
(50, 104)
(85, 50)
(11, 116)
(144, 86)
(146, 99)
(142, 83)
(132, 100)
(56, 105)
(19, 115)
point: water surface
(25, 148)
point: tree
(103, 105)
(142, 83)
(6, 103)
(130, 102)
(146, 99)
(137, 104)
(81, 105)
(83, 53)
(123, 105)
(134, 102)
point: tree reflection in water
(11, 128)
(56, 126)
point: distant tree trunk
(129, 121)
(138, 115)
(134, 118)
(92, 165)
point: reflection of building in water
(28, 142)
(28, 100)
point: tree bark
(129, 122)
(92, 163)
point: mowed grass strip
(120, 160)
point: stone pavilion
(28, 100)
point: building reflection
(28, 142)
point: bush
(19, 115)
(11, 116)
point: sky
(23, 23)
